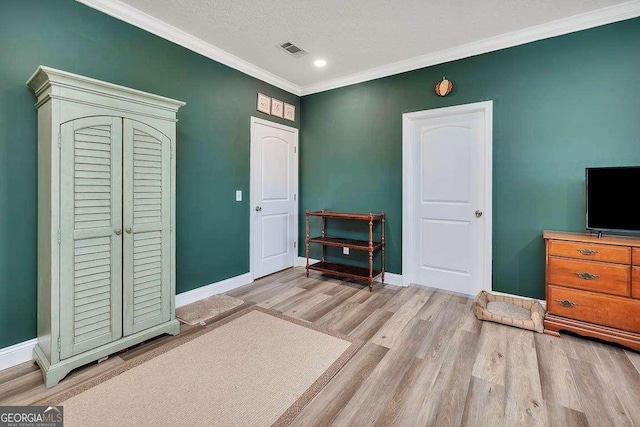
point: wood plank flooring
(427, 361)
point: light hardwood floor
(427, 361)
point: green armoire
(106, 219)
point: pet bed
(518, 312)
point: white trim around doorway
(408, 119)
(254, 121)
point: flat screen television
(612, 202)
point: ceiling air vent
(292, 49)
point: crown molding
(556, 28)
(136, 17)
(140, 19)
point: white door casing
(447, 197)
(273, 200)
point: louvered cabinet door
(146, 217)
(90, 243)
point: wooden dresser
(593, 286)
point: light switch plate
(345, 251)
(238, 195)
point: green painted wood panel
(560, 105)
(212, 143)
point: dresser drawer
(607, 310)
(590, 251)
(636, 256)
(595, 276)
(635, 283)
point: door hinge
(294, 245)
(295, 150)
(171, 151)
(59, 344)
(295, 197)
(59, 236)
(59, 140)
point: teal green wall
(560, 105)
(212, 149)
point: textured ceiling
(353, 36)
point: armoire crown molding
(46, 77)
(583, 21)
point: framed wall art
(277, 107)
(290, 112)
(264, 103)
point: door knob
(128, 230)
(258, 208)
(118, 232)
(478, 214)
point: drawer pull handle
(585, 251)
(586, 275)
(566, 303)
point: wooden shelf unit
(593, 286)
(369, 246)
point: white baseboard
(302, 261)
(213, 289)
(389, 278)
(392, 279)
(17, 354)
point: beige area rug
(206, 308)
(255, 368)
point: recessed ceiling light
(320, 63)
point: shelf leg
(382, 246)
(322, 225)
(307, 240)
(370, 253)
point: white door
(146, 220)
(448, 177)
(90, 233)
(274, 206)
